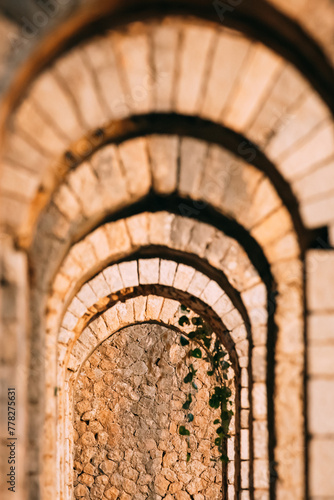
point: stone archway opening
(128, 402)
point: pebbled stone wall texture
(128, 406)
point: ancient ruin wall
(128, 406)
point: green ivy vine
(206, 346)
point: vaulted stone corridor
(167, 265)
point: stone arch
(163, 311)
(295, 156)
(160, 224)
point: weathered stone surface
(320, 273)
(255, 77)
(163, 152)
(231, 49)
(195, 43)
(321, 470)
(135, 161)
(321, 406)
(135, 388)
(164, 41)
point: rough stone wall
(128, 406)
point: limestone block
(148, 271)
(244, 377)
(260, 433)
(320, 277)
(223, 306)
(230, 472)
(135, 161)
(129, 273)
(77, 308)
(110, 318)
(69, 321)
(321, 468)
(83, 182)
(76, 76)
(318, 212)
(163, 152)
(265, 201)
(212, 293)
(320, 360)
(99, 327)
(275, 113)
(195, 44)
(113, 278)
(255, 78)
(259, 364)
(244, 444)
(164, 41)
(99, 286)
(79, 351)
(232, 319)
(242, 348)
(64, 337)
(308, 112)
(192, 159)
(261, 474)
(167, 272)
(119, 241)
(101, 57)
(315, 183)
(259, 335)
(262, 495)
(60, 109)
(34, 126)
(228, 57)
(112, 181)
(54, 223)
(182, 228)
(140, 308)
(217, 249)
(255, 296)
(138, 229)
(66, 202)
(321, 406)
(320, 329)
(218, 169)
(125, 312)
(238, 334)
(183, 277)
(286, 247)
(87, 296)
(201, 235)
(319, 147)
(160, 226)
(198, 284)
(100, 243)
(153, 307)
(133, 54)
(244, 399)
(274, 227)
(169, 310)
(244, 470)
(18, 181)
(259, 400)
(71, 267)
(88, 338)
(84, 254)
